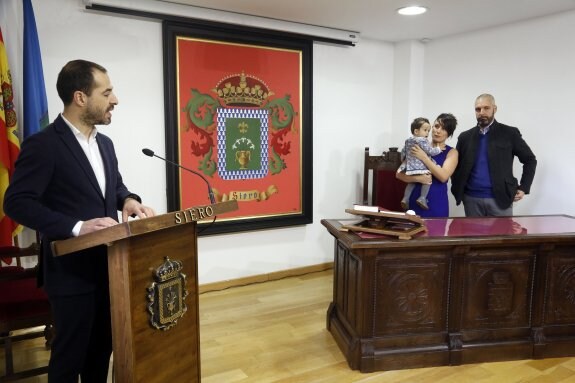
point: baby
(411, 165)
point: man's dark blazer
(503, 144)
(54, 187)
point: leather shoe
(422, 202)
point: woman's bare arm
(442, 173)
(420, 179)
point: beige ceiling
(378, 19)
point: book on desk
(377, 220)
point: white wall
(352, 109)
(362, 95)
(528, 67)
(409, 64)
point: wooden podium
(152, 267)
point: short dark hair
(416, 124)
(76, 75)
(448, 122)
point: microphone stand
(150, 153)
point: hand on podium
(134, 208)
(96, 224)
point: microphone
(150, 153)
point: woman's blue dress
(437, 196)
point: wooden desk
(469, 290)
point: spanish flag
(9, 145)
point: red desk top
(465, 227)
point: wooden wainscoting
(260, 278)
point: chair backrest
(22, 305)
(386, 190)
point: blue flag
(35, 103)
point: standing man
(484, 179)
(67, 183)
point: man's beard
(96, 117)
(484, 121)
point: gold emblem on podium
(166, 295)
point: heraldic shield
(242, 143)
(166, 295)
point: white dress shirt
(90, 147)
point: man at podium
(67, 183)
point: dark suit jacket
(504, 143)
(54, 187)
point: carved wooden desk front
(469, 290)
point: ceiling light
(412, 10)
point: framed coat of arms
(239, 112)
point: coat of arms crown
(170, 269)
(242, 90)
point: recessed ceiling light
(412, 10)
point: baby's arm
(442, 173)
(427, 148)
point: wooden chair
(386, 190)
(22, 306)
